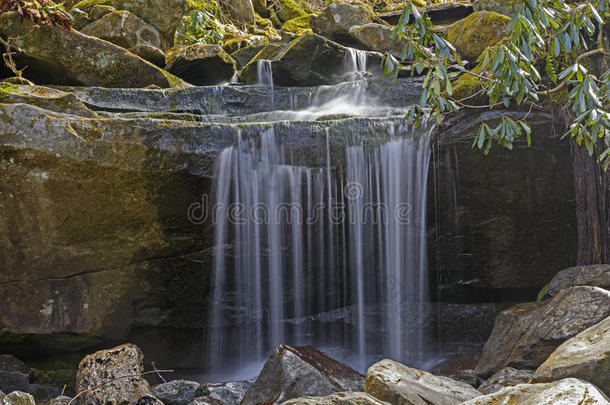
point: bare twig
(152, 363)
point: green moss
(174, 82)
(299, 25)
(202, 5)
(543, 292)
(6, 89)
(290, 9)
(475, 33)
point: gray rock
(337, 19)
(339, 398)
(201, 64)
(81, 19)
(596, 275)
(565, 392)
(18, 398)
(438, 13)
(377, 37)
(244, 55)
(176, 392)
(104, 365)
(526, 334)
(586, 356)
(55, 55)
(507, 377)
(396, 383)
(229, 392)
(14, 374)
(124, 29)
(292, 372)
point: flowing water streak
(276, 270)
(264, 71)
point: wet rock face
(507, 377)
(585, 356)
(340, 398)
(14, 374)
(597, 275)
(494, 215)
(112, 364)
(242, 11)
(124, 29)
(201, 64)
(564, 392)
(526, 334)
(58, 56)
(396, 383)
(337, 19)
(292, 372)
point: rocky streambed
(554, 351)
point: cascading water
(264, 72)
(312, 256)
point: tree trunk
(592, 186)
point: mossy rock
(165, 15)
(505, 7)
(475, 33)
(201, 64)
(299, 25)
(467, 85)
(58, 56)
(286, 10)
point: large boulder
(526, 334)
(124, 29)
(339, 398)
(596, 275)
(396, 383)
(201, 64)
(310, 60)
(565, 392)
(176, 392)
(585, 356)
(14, 374)
(292, 372)
(378, 37)
(124, 365)
(165, 15)
(49, 99)
(337, 19)
(473, 34)
(55, 55)
(17, 398)
(507, 377)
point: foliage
(542, 32)
(40, 12)
(199, 26)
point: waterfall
(314, 256)
(264, 72)
(355, 61)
